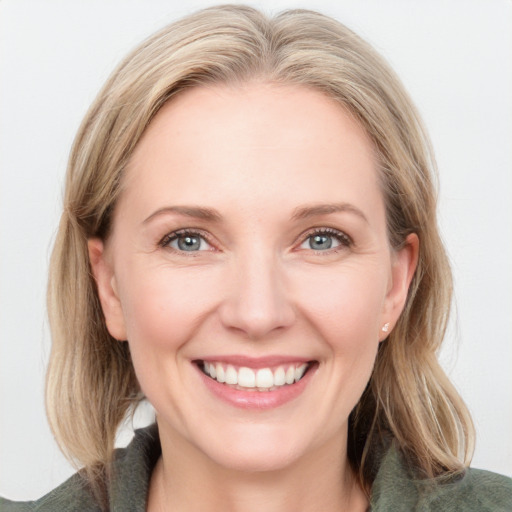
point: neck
(182, 482)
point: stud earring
(385, 327)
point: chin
(256, 459)
(259, 450)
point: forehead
(254, 143)
(264, 114)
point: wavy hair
(91, 384)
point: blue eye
(186, 242)
(321, 242)
(324, 240)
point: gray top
(394, 489)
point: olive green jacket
(394, 490)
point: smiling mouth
(261, 379)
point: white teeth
(221, 376)
(279, 377)
(263, 379)
(299, 372)
(231, 375)
(246, 378)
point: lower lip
(256, 399)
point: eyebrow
(305, 212)
(195, 212)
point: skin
(256, 154)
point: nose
(257, 303)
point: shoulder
(474, 490)
(482, 490)
(72, 495)
(127, 490)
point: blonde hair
(91, 383)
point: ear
(404, 263)
(107, 291)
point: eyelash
(344, 240)
(175, 235)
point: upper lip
(255, 362)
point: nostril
(255, 320)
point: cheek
(164, 306)
(163, 309)
(345, 310)
(345, 303)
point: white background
(455, 58)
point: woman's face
(249, 243)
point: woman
(249, 242)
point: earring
(385, 327)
